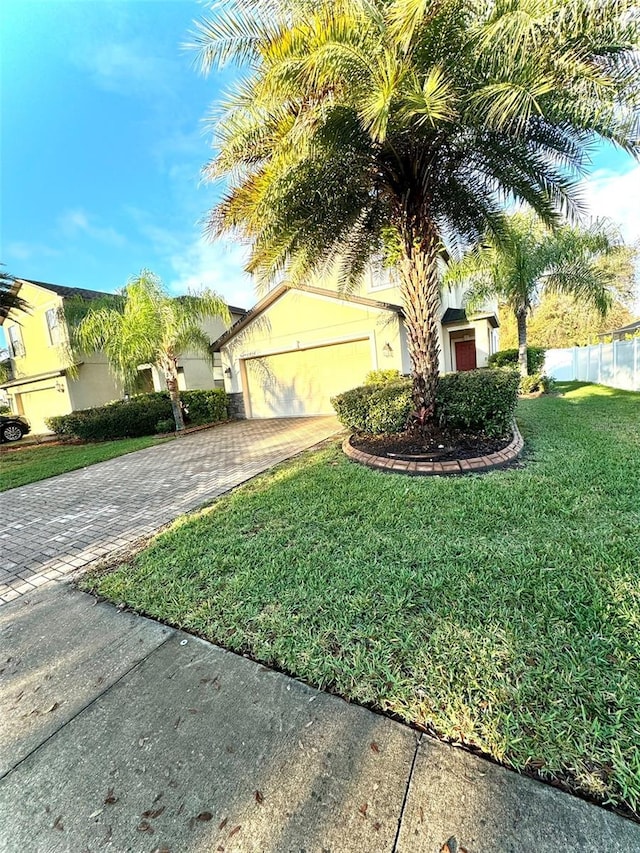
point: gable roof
(65, 292)
(277, 292)
(85, 293)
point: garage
(302, 382)
(41, 403)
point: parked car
(13, 427)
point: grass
(31, 464)
(501, 611)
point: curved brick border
(458, 466)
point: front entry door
(466, 355)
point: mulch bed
(431, 445)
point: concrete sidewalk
(119, 734)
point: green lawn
(500, 610)
(21, 466)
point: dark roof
(274, 294)
(85, 293)
(66, 292)
(453, 316)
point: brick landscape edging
(455, 466)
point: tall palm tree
(530, 258)
(145, 325)
(10, 301)
(360, 119)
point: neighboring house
(300, 346)
(41, 382)
(623, 333)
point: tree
(360, 120)
(9, 299)
(145, 325)
(529, 258)
(559, 320)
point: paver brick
(54, 528)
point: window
(15, 341)
(379, 277)
(53, 325)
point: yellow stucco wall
(58, 395)
(41, 356)
(40, 400)
(298, 320)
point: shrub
(167, 425)
(509, 358)
(139, 415)
(381, 377)
(536, 382)
(478, 400)
(375, 409)
(205, 407)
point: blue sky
(103, 142)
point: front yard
(22, 465)
(502, 610)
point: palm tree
(9, 299)
(530, 258)
(368, 124)
(145, 325)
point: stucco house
(299, 346)
(41, 383)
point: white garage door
(45, 403)
(302, 382)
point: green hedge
(382, 377)
(509, 358)
(536, 382)
(480, 401)
(375, 409)
(139, 415)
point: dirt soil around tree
(430, 445)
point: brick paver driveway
(57, 526)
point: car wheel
(12, 432)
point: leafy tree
(358, 118)
(10, 301)
(559, 320)
(529, 258)
(145, 325)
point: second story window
(15, 341)
(53, 326)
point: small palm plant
(529, 258)
(357, 118)
(145, 325)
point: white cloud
(195, 263)
(616, 196)
(126, 68)
(77, 222)
(22, 251)
(218, 266)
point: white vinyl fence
(616, 364)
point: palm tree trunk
(420, 288)
(171, 378)
(521, 317)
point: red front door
(466, 355)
